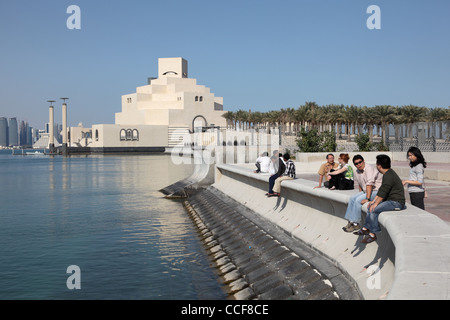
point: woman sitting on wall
(341, 178)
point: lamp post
(51, 134)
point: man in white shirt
(369, 181)
(263, 163)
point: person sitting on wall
(369, 181)
(342, 178)
(288, 174)
(325, 169)
(281, 168)
(263, 163)
(390, 197)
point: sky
(256, 54)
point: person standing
(369, 181)
(390, 197)
(416, 183)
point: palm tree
(255, 119)
(385, 115)
(241, 117)
(437, 115)
(410, 114)
(301, 115)
(397, 122)
(369, 121)
(351, 114)
(230, 117)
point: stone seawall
(256, 260)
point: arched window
(201, 98)
(135, 135)
(96, 135)
(196, 98)
(129, 134)
(123, 135)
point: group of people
(280, 166)
(379, 185)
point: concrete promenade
(411, 258)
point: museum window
(135, 135)
(201, 98)
(129, 134)
(96, 135)
(196, 98)
(123, 135)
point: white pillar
(51, 133)
(64, 124)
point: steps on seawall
(256, 264)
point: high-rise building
(25, 137)
(23, 133)
(13, 133)
(3, 132)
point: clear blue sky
(257, 54)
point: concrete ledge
(410, 260)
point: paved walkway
(438, 200)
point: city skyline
(15, 132)
(258, 55)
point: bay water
(104, 215)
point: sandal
(369, 239)
(362, 232)
(273, 194)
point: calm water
(105, 215)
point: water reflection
(104, 214)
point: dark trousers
(339, 182)
(417, 199)
(272, 182)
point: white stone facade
(172, 101)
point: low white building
(156, 115)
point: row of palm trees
(354, 119)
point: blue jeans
(372, 217)
(272, 182)
(353, 213)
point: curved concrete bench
(410, 260)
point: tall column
(64, 126)
(51, 133)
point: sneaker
(347, 226)
(352, 227)
(369, 239)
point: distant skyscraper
(3, 132)
(13, 133)
(25, 134)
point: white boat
(34, 153)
